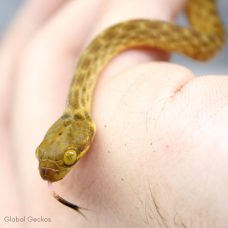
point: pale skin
(159, 156)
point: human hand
(158, 158)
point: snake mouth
(51, 171)
(48, 174)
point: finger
(54, 52)
(26, 23)
(159, 130)
(45, 62)
(29, 19)
(118, 170)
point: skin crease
(127, 181)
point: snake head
(63, 145)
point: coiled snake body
(72, 134)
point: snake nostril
(49, 170)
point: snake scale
(71, 135)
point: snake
(72, 134)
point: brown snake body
(72, 134)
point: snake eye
(69, 157)
(37, 152)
